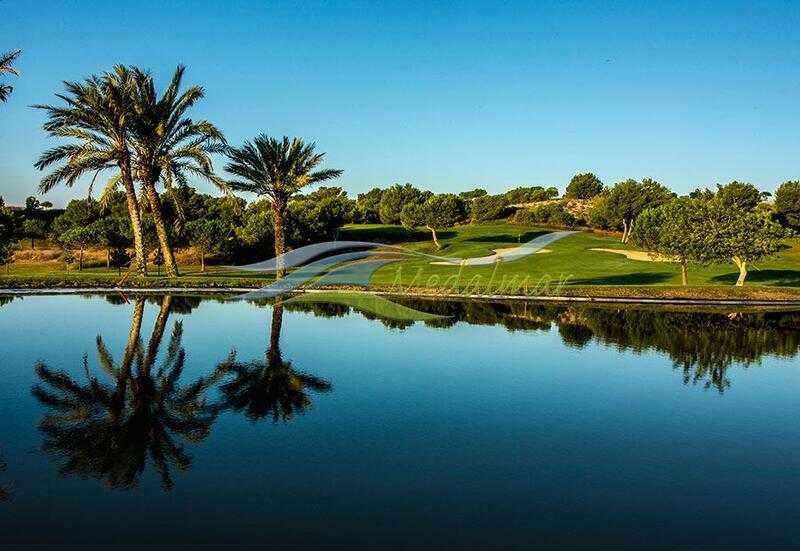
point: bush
(787, 204)
(552, 214)
(530, 194)
(584, 186)
(488, 207)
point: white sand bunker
(637, 255)
(498, 253)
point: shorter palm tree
(277, 169)
(5, 67)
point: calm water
(180, 422)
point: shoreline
(584, 298)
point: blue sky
(447, 95)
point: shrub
(488, 207)
(552, 214)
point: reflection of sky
(424, 428)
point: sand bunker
(497, 251)
(637, 255)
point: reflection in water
(272, 387)
(5, 487)
(106, 430)
(703, 345)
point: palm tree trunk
(161, 229)
(136, 217)
(280, 238)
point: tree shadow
(522, 238)
(645, 278)
(778, 278)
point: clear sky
(446, 95)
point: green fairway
(571, 259)
(572, 267)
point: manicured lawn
(572, 256)
(582, 270)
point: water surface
(175, 421)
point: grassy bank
(571, 268)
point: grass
(572, 260)
(581, 270)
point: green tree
(367, 209)
(96, 117)
(488, 207)
(318, 215)
(787, 204)
(79, 238)
(618, 207)
(7, 232)
(740, 195)
(32, 207)
(207, 236)
(168, 146)
(523, 195)
(584, 186)
(675, 230)
(277, 169)
(395, 198)
(5, 67)
(439, 211)
(34, 229)
(742, 236)
(110, 233)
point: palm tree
(108, 430)
(96, 115)
(5, 67)
(168, 145)
(272, 387)
(277, 169)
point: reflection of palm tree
(272, 387)
(107, 430)
(5, 487)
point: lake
(185, 421)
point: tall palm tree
(108, 430)
(168, 145)
(276, 169)
(272, 387)
(96, 115)
(5, 67)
